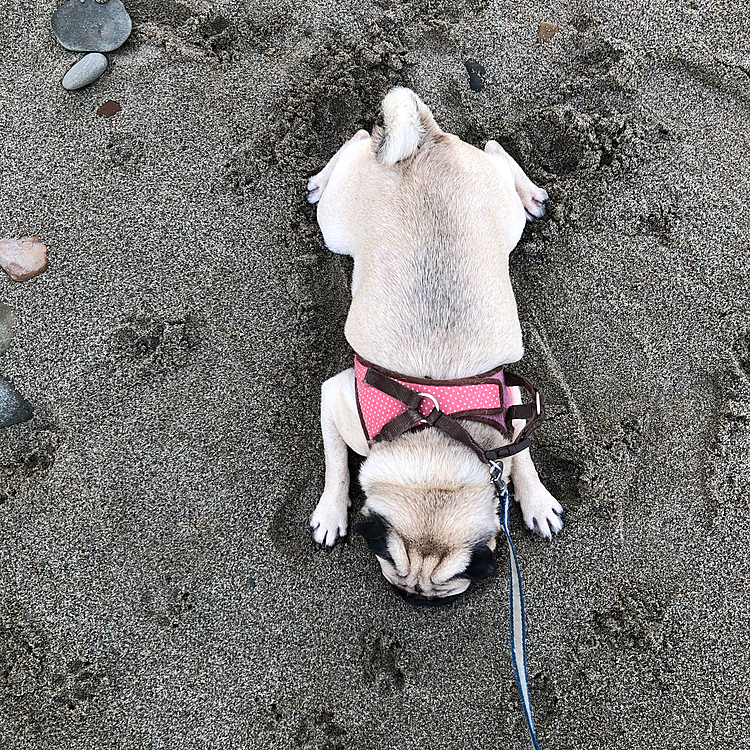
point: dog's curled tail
(408, 124)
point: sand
(158, 584)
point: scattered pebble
(476, 71)
(109, 109)
(14, 408)
(7, 326)
(90, 26)
(23, 258)
(546, 31)
(85, 71)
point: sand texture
(159, 587)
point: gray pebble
(85, 71)
(7, 327)
(89, 26)
(14, 408)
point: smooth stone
(91, 26)
(14, 408)
(475, 71)
(7, 326)
(23, 258)
(85, 71)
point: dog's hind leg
(532, 196)
(541, 511)
(318, 183)
(339, 423)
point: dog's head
(430, 516)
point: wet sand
(158, 584)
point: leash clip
(496, 475)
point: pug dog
(430, 222)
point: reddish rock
(109, 109)
(23, 258)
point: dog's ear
(375, 532)
(481, 565)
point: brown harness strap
(533, 413)
(436, 418)
(520, 411)
(450, 427)
(390, 387)
(400, 424)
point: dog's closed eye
(481, 565)
(375, 532)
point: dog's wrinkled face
(433, 529)
(427, 571)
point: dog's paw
(533, 199)
(315, 187)
(541, 512)
(328, 521)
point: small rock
(85, 71)
(24, 258)
(476, 71)
(546, 31)
(89, 26)
(7, 327)
(109, 109)
(14, 408)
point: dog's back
(430, 221)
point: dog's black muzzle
(417, 600)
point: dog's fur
(430, 222)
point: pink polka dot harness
(390, 404)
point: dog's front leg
(339, 423)
(541, 511)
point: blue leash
(517, 611)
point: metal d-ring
(434, 401)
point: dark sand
(158, 584)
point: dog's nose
(417, 600)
